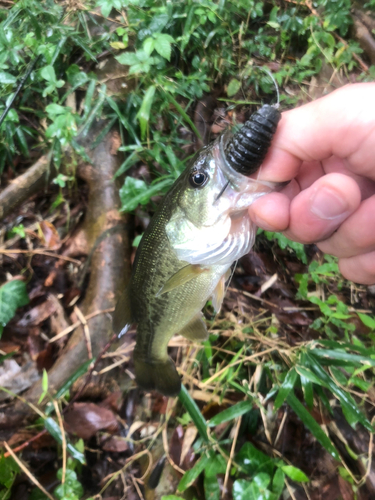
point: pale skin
(327, 148)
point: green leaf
(253, 461)
(278, 482)
(367, 320)
(191, 475)
(127, 58)
(8, 471)
(233, 87)
(211, 488)
(44, 386)
(308, 391)
(143, 114)
(312, 425)
(295, 474)
(54, 429)
(191, 407)
(287, 386)
(254, 490)
(12, 295)
(148, 45)
(217, 465)
(328, 354)
(231, 413)
(163, 45)
(183, 114)
(75, 376)
(48, 73)
(7, 78)
(45, 380)
(309, 375)
(346, 400)
(54, 110)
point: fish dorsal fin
(122, 317)
(182, 276)
(218, 294)
(195, 330)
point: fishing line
(222, 192)
(231, 276)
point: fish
(185, 256)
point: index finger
(340, 124)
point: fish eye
(198, 179)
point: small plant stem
(26, 443)
(75, 325)
(39, 252)
(85, 329)
(26, 471)
(63, 440)
(90, 374)
(232, 450)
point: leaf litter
(262, 332)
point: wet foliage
(279, 402)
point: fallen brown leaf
(85, 419)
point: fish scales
(184, 257)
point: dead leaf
(16, 378)
(49, 236)
(85, 419)
(346, 489)
(115, 142)
(38, 314)
(189, 438)
(115, 444)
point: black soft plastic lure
(247, 149)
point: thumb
(316, 212)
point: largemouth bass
(200, 228)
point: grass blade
(191, 407)
(312, 425)
(55, 431)
(231, 413)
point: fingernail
(326, 203)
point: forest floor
(278, 403)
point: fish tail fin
(157, 375)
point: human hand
(328, 148)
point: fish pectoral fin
(182, 276)
(218, 294)
(122, 317)
(195, 330)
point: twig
(370, 451)
(91, 372)
(26, 471)
(281, 428)
(40, 252)
(75, 325)
(113, 365)
(85, 329)
(232, 450)
(166, 449)
(136, 487)
(63, 440)
(26, 443)
(255, 297)
(19, 88)
(290, 490)
(247, 358)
